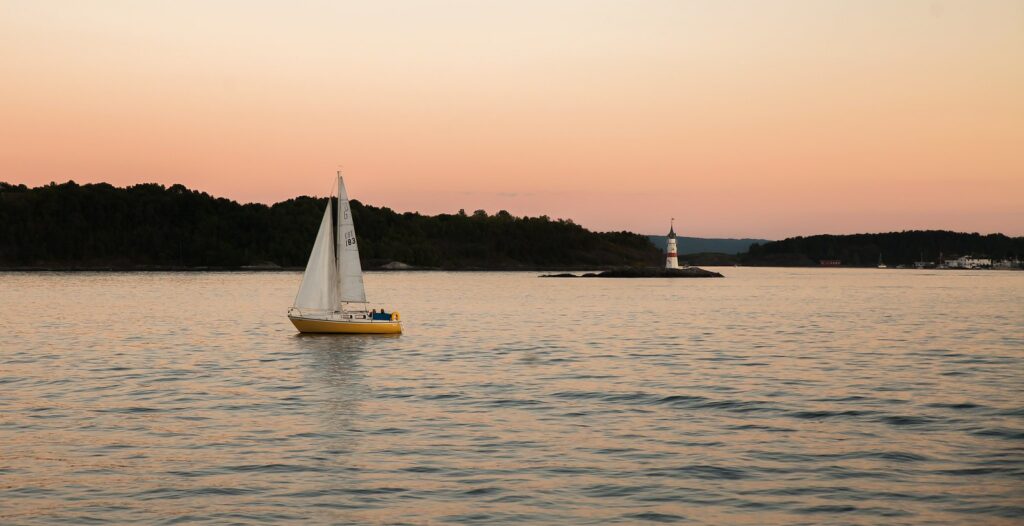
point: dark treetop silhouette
(148, 225)
(895, 248)
(100, 226)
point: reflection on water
(771, 396)
(336, 368)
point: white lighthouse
(671, 256)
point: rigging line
(330, 191)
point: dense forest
(894, 248)
(151, 226)
(148, 225)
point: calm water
(773, 396)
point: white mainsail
(319, 288)
(350, 271)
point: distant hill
(148, 225)
(894, 248)
(699, 245)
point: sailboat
(331, 298)
(880, 264)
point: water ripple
(779, 396)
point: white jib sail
(319, 288)
(349, 269)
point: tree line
(150, 225)
(892, 248)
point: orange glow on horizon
(740, 119)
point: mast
(337, 226)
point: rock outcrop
(649, 272)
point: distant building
(1008, 264)
(671, 253)
(830, 263)
(968, 262)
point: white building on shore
(1008, 264)
(968, 262)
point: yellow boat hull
(345, 327)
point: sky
(752, 118)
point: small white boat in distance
(331, 298)
(880, 264)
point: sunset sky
(739, 119)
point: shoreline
(633, 273)
(584, 268)
(581, 268)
